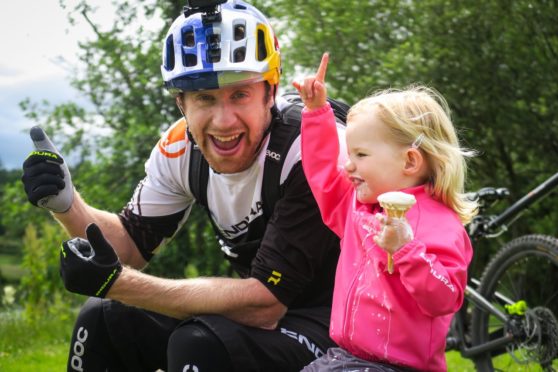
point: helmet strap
(188, 134)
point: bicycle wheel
(525, 269)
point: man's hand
(313, 90)
(89, 267)
(46, 177)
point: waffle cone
(395, 211)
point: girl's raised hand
(312, 89)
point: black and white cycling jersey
(293, 253)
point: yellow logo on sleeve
(275, 277)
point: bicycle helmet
(239, 47)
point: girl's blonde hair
(416, 111)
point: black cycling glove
(89, 267)
(46, 178)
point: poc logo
(79, 349)
(273, 155)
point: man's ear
(414, 162)
(179, 103)
(271, 101)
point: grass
(43, 358)
(456, 363)
(39, 346)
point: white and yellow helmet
(239, 48)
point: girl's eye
(360, 155)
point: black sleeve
(149, 232)
(298, 254)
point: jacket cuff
(316, 112)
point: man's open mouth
(226, 143)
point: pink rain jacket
(402, 318)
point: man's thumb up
(46, 178)
(89, 267)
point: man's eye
(204, 98)
(240, 95)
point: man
(222, 62)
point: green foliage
(193, 252)
(41, 290)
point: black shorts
(140, 338)
(301, 336)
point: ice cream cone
(395, 204)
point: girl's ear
(414, 163)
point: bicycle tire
(526, 268)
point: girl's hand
(313, 90)
(395, 233)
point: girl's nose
(349, 166)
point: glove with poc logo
(89, 267)
(46, 178)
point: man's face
(228, 124)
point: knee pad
(193, 347)
(91, 347)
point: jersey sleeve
(162, 200)
(298, 254)
(320, 155)
(433, 268)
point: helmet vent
(169, 56)
(239, 32)
(213, 40)
(188, 38)
(214, 55)
(189, 59)
(239, 6)
(262, 51)
(239, 54)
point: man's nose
(224, 115)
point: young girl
(396, 141)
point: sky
(38, 48)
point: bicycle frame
(488, 229)
(473, 296)
(513, 212)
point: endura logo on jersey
(241, 227)
(303, 340)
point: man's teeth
(226, 139)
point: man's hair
(420, 110)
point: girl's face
(376, 163)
